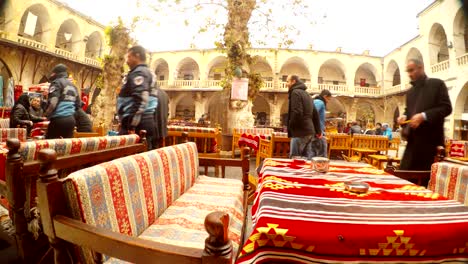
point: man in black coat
(303, 118)
(427, 105)
(161, 115)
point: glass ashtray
(357, 187)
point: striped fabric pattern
(19, 133)
(4, 122)
(280, 134)
(254, 131)
(156, 195)
(181, 227)
(192, 129)
(30, 150)
(300, 216)
(450, 180)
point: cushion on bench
(254, 131)
(181, 227)
(19, 133)
(127, 195)
(30, 150)
(450, 180)
(4, 122)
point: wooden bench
(98, 131)
(151, 207)
(368, 144)
(21, 171)
(394, 144)
(277, 146)
(208, 140)
(237, 133)
(340, 142)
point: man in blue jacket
(319, 146)
(134, 107)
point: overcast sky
(354, 25)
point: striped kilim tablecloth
(300, 216)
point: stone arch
(261, 110)
(366, 75)
(217, 68)
(336, 108)
(161, 69)
(42, 27)
(187, 69)
(184, 107)
(295, 66)
(261, 66)
(94, 45)
(414, 53)
(333, 72)
(393, 74)
(460, 33)
(69, 36)
(461, 103)
(438, 49)
(6, 75)
(216, 108)
(390, 108)
(366, 113)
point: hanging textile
(1, 90)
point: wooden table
(363, 152)
(301, 216)
(380, 160)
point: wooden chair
(204, 140)
(98, 131)
(21, 171)
(420, 178)
(394, 144)
(339, 142)
(275, 147)
(237, 133)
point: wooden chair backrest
(203, 140)
(394, 144)
(379, 143)
(281, 146)
(339, 141)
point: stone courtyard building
(367, 88)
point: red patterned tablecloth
(251, 141)
(300, 216)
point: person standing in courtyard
(303, 120)
(427, 105)
(62, 103)
(161, 116)
(134, 96)
(319, 146)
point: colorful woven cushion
(19, 133)
(280, 134)
(4, 123)
(450, 180)
(181, 227)
(30, 150)
(254, 131)
(458, 148)
(192, 129)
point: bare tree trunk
(105, 107)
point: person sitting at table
(20, 114)
(35, 110)
(355, 128)
(387, 131)
(82, 120)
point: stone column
(200, 102)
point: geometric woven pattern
(181, 227)
(19, 133)
(450, 180)
(254, 131)
(30, 150)
(4, 122)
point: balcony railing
(162, 84)
(367, 90)
(66, 54)
(268, 85)
(441, 66)
(463, 60)
(187, 83)
(92, 62)
(31, 43)
(333, 88)
(212, 83)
